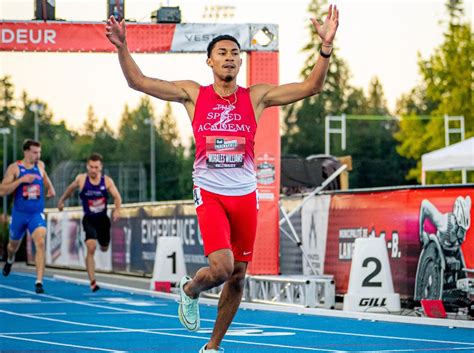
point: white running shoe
(188, 309)
(204, 350)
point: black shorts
(98, 228)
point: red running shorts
(227, 222)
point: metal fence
(130, 179)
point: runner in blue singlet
(27, 179)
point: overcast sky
(376, 38)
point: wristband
(324, 55)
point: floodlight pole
(152, 159)
(36, 108)
(5, 131)
(151, 122)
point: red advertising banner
(396, 215)
(62, 36)
(263, 67)
(81, 37)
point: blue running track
(69, 318)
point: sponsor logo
(377, 302)
(221, 144)
(27, 36)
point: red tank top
(224, 130)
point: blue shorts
(20, 222)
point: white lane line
(166, 334)
(46, 314)
(19, 301)
(57, 332)
(116, 313)
(54, 302)
(69, 332)
(61, 344)
(360, 334)
(64, 300)
(248, 324)
(32, 333)
(414, 350)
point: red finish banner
(396, 215)
(81, 37)
(263, 67)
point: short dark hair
(213, 42)
(95, 157)
(28, 143)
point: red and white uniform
(224, 172)
(225, 138)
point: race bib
(225, 152)
(97, 205)
(31, 192)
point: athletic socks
(94, 286)
(39, 288)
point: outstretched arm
(175, 91)
(265, 95)
(68, 192)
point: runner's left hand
(115, 215)
(327, 30)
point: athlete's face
(94, 168)
(225, 60)
(33, 154)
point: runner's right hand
(60, 205)
(27, 179)
(116, 31)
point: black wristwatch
(324, 55)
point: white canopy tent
(459, 156)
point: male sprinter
(224, 116)
(94, 192)
(27, 178)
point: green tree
(8, 109)
(185, 178)
(56, 140)
(7, 100)
(90, 126)
(170, 159)
(304, 121)
(369, 142)
(134, 132)
(83, 142)
(134, 145)
(105, 143)
(446, 89)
